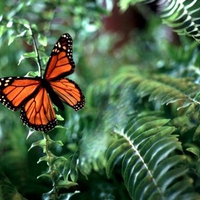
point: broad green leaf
(42, 40)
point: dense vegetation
(138, 135)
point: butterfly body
(53, 96)
(35, 95)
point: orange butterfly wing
(60, 65)
(38, 112)
(69, 92)
(15, 91)
(28, 94)
(61, 62)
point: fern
(7, 190)
(162, 88)
(151, 166)
(182, 16)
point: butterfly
(35, 95)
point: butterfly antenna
(37, 55)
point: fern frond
(7, 190)
(150, 167)
(182, 16)
(163, 88)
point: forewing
(69, 92)
(61, 62)
(38, 112)
(15, 91)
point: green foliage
(182, 16)
(146, 151)
(140, 126)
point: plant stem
(51, 170)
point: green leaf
(3, 29)
(60, 118)
(74, 168)
(27, 55)
(23, 33)
(42, 40)
(194, 149)
(66, 184)
(47, 158)
(46, 141)
(44, 175)
(124, 4)
(13, 12)
(115, 154)
(11, 39)
(24, 22)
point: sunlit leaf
(27, 55)
(42, 40)
(2, 30)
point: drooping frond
(7, 190)
(162, 88)
(151, 167)
(182, 16)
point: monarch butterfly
(34, 96)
